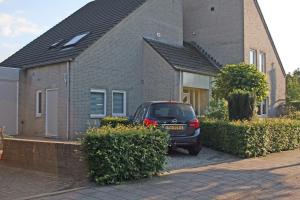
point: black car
(177, 118)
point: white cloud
(11, 25)
(1, 1)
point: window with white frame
(118, 103)
(262, 62)
(263, 107)
(97, 103)
(253, 57)
(38, 103)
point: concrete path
(211, 175)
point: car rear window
(172, 111)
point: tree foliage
(242, 85)
(241, 77)
(293, 86)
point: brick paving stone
(19, 183)
(211, 175)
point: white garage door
(9, 100)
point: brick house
(112, 55)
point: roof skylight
(56, 44)
(75, 40)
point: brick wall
(42, 78)
(161, 80)
(218, 31)
(256, 37)
(115, 62)
(48, 156)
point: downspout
(180, 86)
(68, 99)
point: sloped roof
(97, 17)
(187, 58)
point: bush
(252, 139)
(115, 121)
(295, 105)
(241, 83)
(120, 154)
(218, 109)
(241, 105)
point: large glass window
(119, 103)
(97, 103)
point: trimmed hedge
(120, 154)
(115, 121)
(295, 105)
(252, 139)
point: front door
(52, 113)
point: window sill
(97, 116)
(118, 115)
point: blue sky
(21, 21)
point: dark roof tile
(186, 57)
(97, 17)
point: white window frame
(267, 108)
(37, 105)
(97, 116)
(124, 103)
(255, 58)
(262, 63)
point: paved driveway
(212, 175)
(16, 183)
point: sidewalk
(17, 183)
(274, 177)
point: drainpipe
(180, 85)
(68, 99)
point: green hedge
(252, 139)
(115, 121)
(295, 105)
(120, 154)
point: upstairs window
(75, 40)
(97, 103)
(262, 62)
(119, 103)
(253, 57)
(38, 103)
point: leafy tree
(218, 109)
(293, 86)
(241, 85)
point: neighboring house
(112, 55)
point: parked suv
(177, 118)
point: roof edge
(47, 63)
(269, 35)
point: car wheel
(195, 150)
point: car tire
(195, 150)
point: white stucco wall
(9, 83)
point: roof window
(56, 44)
(75, 40)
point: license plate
(174, 127)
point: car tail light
(194, 123)
(150, 122)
